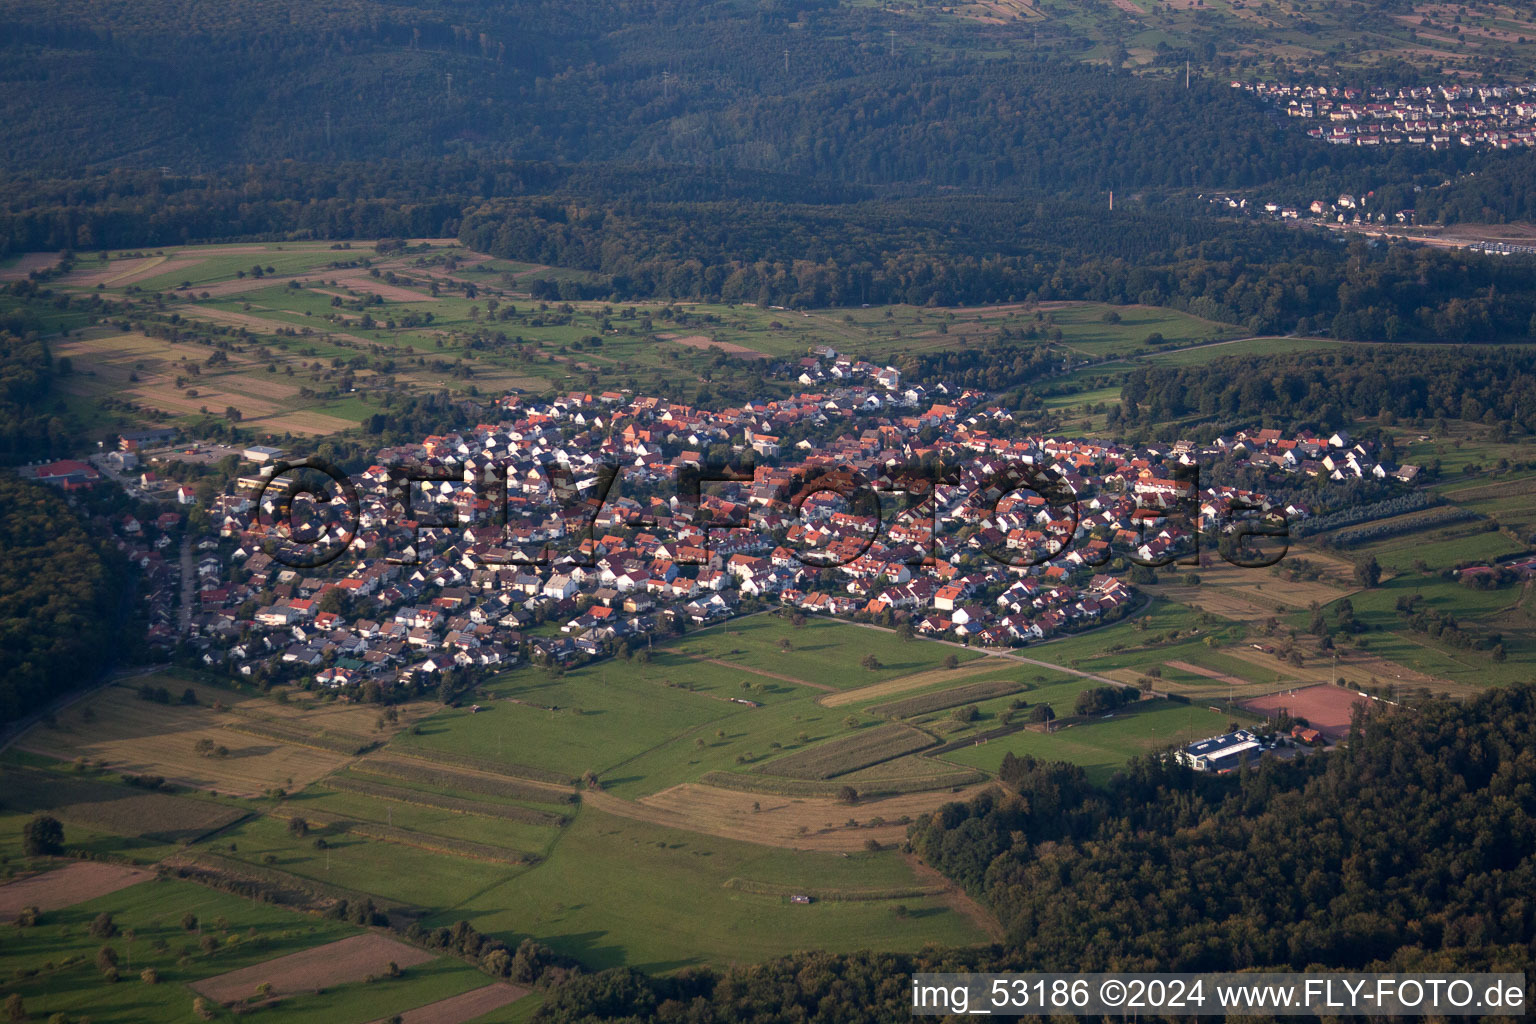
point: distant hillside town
(1437, 116)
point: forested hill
(196, 86)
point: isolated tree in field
(1041, 713)
(15, 1010)
(106, 959)
(951, 661)
(103, 927)
(298, 827)
(1367, 572)
(189, 921)
(965, 713)
(201, 1007)
(43, 836)
(870, 662)
(847, 794)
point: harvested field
(359, 280)
(66, 886)
(466, 1006)
(141, 267)
(915, 681)
(1326, 708)
(124, 810)
(348, 746)
(335, 963)
(27, 263)
(802, 823)
(705, 342)
(837, 757)
(947, 698)
(1251, 595)
(341, 719)
(144, 738)
(304, 423)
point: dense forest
(28, 430)
(1281, 866)
(1330, 389)
(61, 599)
(813, 89)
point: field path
(762, 672)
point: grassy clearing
(1102, 746)
(618, 891)
(822, 651)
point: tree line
(1329, 389)
(62, 599)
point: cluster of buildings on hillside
(1437, 116)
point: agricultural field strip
(485, 766)
(350, 959)
(768, 785)
(833, 895)
(271, 729)
(467, 1006)
(905, 684)
(224, 869)
(407, 837)
(947, 698)
(850, 753)
(400, 794)
(65, 886)
(758, 671)
(119, 809)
